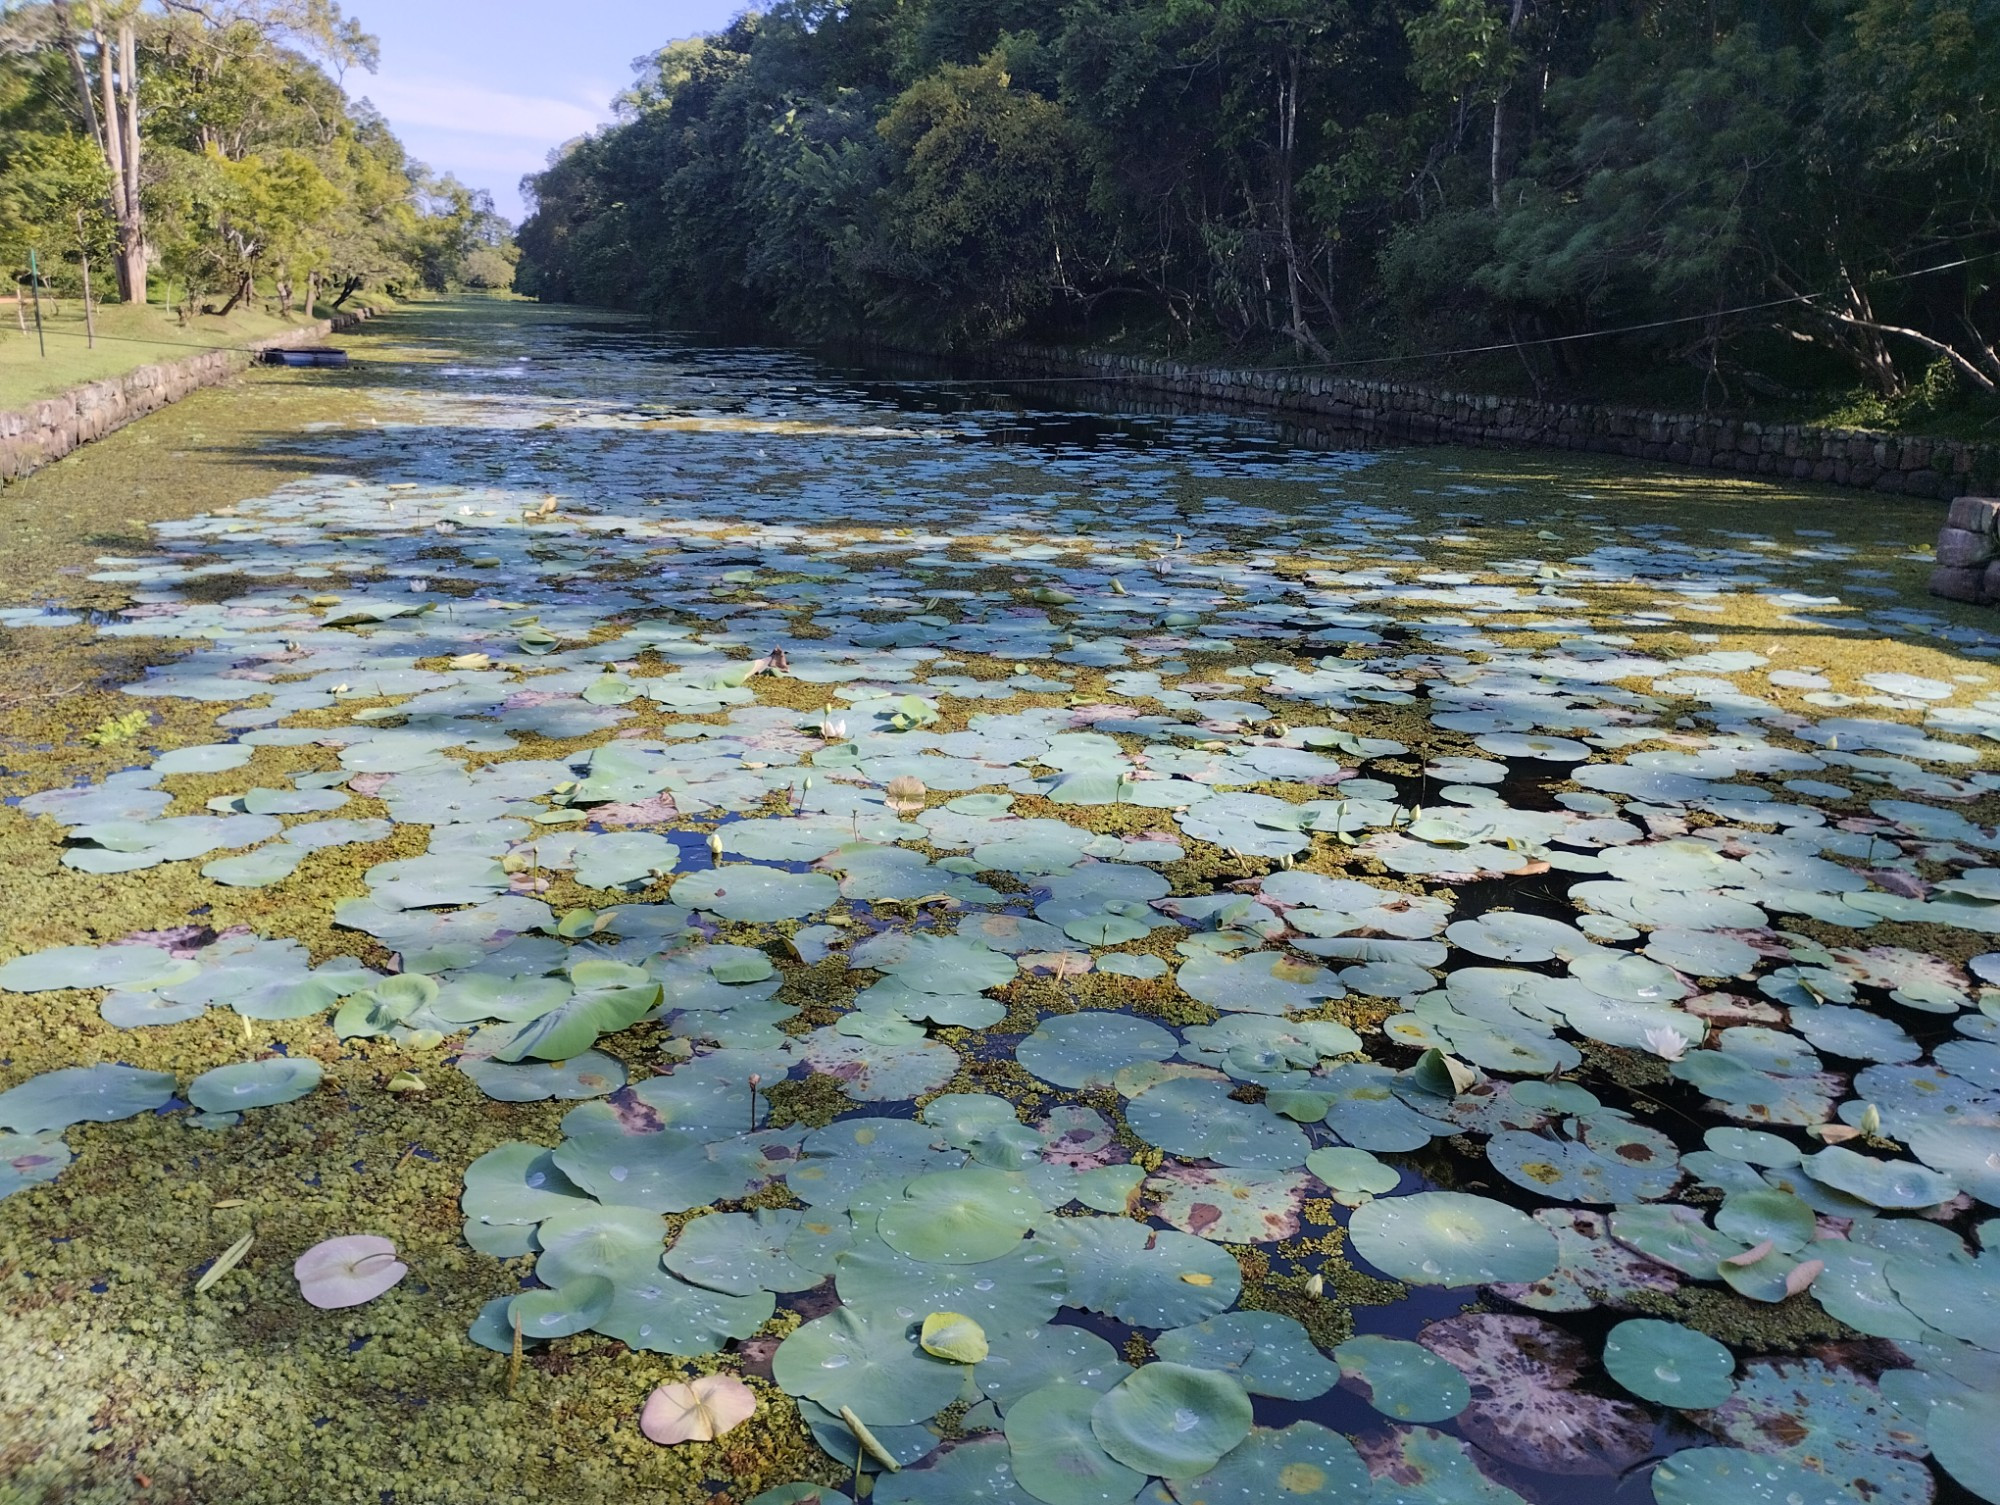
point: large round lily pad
(1172, 1419)
(1089, 1049)
(872, 1365)
(1452, 1239)
(254, 1084)
(1671, 1364)
(1056, 1454)
(958, 1217)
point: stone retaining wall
(45, 431)
(1898, 464)
(1968, 552)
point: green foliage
(256, 174)
(1749, 187)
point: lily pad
(1170, 1419)
(1451, 1239)
(1403, 1380)
(83, 1094)
(1670, 1364)
(871, 1365)
(1268, 1353)
(1056, 1455)
(254, 1084)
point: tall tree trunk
(353, 286)
(79, 75)
(312, 294)
(1288, 129)
(1500, 113)
(117, 80)
(133, 245)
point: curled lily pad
(1671, 1364)
(1171, 1419)
(1451, 1239)
(949, 1335)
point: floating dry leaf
(226, 1261)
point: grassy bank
(127, 338)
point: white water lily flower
(1667, 1044)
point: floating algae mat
(947, 953)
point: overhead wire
(1356, 361)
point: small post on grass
(35, 281)
(89, 319)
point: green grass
(127, 337)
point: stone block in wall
(1959, 547)
(1974, 514)
(1957, 584)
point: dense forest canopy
(191, 151)
(1790, 192)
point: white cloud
(417, 103)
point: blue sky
(484, 88)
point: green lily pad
(974, 1470)
(1012, 1294)
(1900, 1184)
(1303, 1462)
(564, 1311)
(1201, 1120)
(766, 1250)
(1670, 1364)
(1702, 1476)
(1141, 1276)
(1019, 1363)
(1055, 1452)
(1090, 1048)
(254, 1084)
(1451, 1239)
(958, 1217)
(83, 1094)
(1403, 1380)
(872, 1365)
(1171, 1419)
(1268, 1353)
